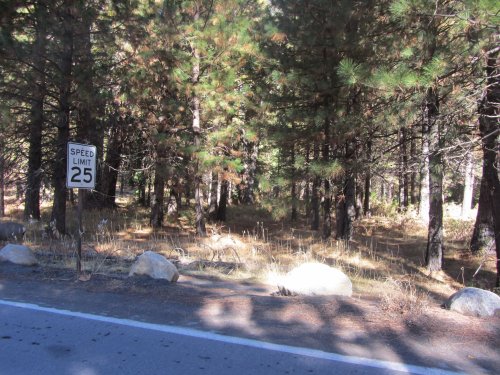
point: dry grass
(385, 259)
(403, 297)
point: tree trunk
(195, 109)
(346, 201)
(483, 236)
(223, 200)
(307, 187)
(174, 203)
(368, 177)
(404, 182)
(141, 189)
(413, 169)
(88, 107)
(109, 172)
(468, 185)
(489, 126)
(249, 178)
(294, 216)
(327, 203)
(213, 206)
(157, 201)
(423, 208)
(149, 182)
(358, 197)
(34, 175)
(66, 60)
(383, 188)
(434, 252)
(315, 195)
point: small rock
(18, 254)
(474, 301)
(10, 230)
(315, 279)
(155, 266)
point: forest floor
(395, 311)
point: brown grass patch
(385, 259)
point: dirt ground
(357, 326)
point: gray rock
(315, 279)
(10, 230)
(474, 301)
(155, 266)
(18, 254)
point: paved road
(43, 340)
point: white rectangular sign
(81, 166)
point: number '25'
(77, 172)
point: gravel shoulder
(352, 326)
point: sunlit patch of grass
(387, 246)
(402, 296)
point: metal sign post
(80, 174)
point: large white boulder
(315, 279)
(156, 266)
(18, 254)
(474, 301)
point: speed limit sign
(81, 166)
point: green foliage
(435, 68)
(278, 208)
(326, 170)
(400, 8)
(349, 71)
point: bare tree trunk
(359, 197)
(413, 169)
(249, 177)
(468, 185)
(489, 126)
(195, 108)
(434, 252)
(327, 202)
(383, 190)
(141, 189)
(34, 175)
(423, 208)
(315, 192)
(483, 236)
(109, 171)
(346, 201)
(214, 186)
(307, 192)
(368, 178)
(404, 159)
(294, 215)
(65, 71)
(157, 201)
(86, 98)
(174, 203)
(223, 200)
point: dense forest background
(314, 110)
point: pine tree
(34, 173)
(64, 82)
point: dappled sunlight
(306, 316)
(252, 246)
(234, 313)
(381, 248)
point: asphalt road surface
(44, 340)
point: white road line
(313, 353)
